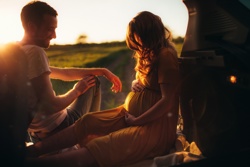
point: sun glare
(10, 29)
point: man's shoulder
(33, 49)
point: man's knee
(97, 88)
(97, 82)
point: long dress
(113, 143)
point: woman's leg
(76, 158)
(63, 139)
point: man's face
(46, 31)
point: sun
(10, 33)
(11, 28)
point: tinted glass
(245, 3)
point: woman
(145, 126)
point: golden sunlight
(11, 30)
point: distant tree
(178, 40)
(81, 39)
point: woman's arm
(71, 74)
(162, 107)
(170, 94)
(168, 77)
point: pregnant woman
(143, 127)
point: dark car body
(215, 70)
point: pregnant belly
(137, 103)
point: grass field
(115, 57)
(77, 56)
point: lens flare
(233, 79)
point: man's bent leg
(87, 102)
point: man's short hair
(34, 12)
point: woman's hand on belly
(137, 86)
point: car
(215, 72)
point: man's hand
(84, 84)
(117, 84)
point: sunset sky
(100, 20)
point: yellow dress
(112, 143)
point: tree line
(82, 39)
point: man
(51, 112)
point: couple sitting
(143, 127)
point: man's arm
(71, 74)
(49, 102)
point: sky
(99, 20)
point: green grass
(124, 55)
(78, 56)
(178, 48)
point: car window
(245, 3)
